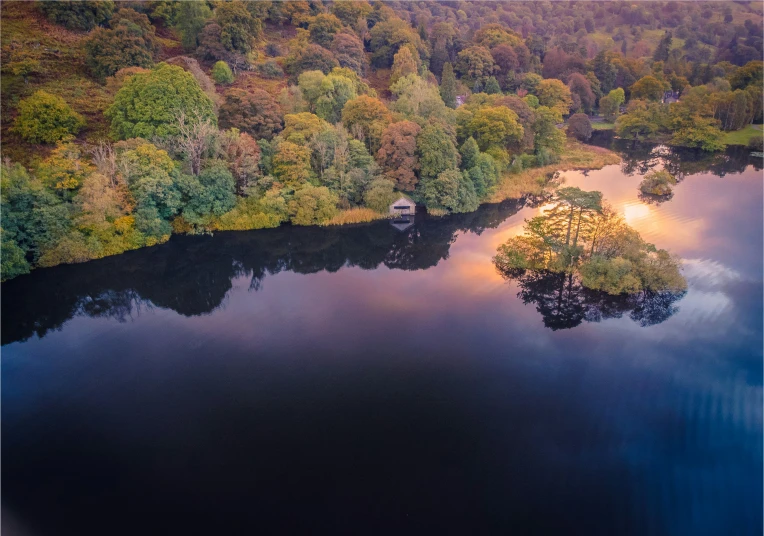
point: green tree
(129, 42)
(657, 183)
(221, 73)
(323, 28)
(238, 28)
(404, 64)
(437, 152)
(46, 118)
(312, 205)
(448, 86)
(379, 195)
(470, 152)
(209, 194)
(149, 104)
(475, 64)
(14, 262)
(450, 191)
(752, 73)
(78, 14)
(492, 86)
(664, 47)
(191, 18)
(547, 136)
(366, 118)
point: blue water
(369, 380)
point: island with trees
(124, 123)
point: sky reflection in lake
(302, 379)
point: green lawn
(603, 126)
(742, 136)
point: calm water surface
(369, 380)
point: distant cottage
(460, 100)
(403, 206)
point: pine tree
(662, 52)
(448, 86)
(492, 86)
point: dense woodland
(126, 122)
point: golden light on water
(634, 212)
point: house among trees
(670, 96)
(460, 99)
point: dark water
(369, 380)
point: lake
(377, 379)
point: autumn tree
(254, 112)
(610, 104)
(398, 154)
(312, 205)
(241, 154)
(291, 164)
(349, 51)
(495, 126)
(581, 91)
(310, 58)
(366, 118)
(580, 127)
(555, 94)
(403, 65)
(647, 88)
(46, 118)
(149, 104)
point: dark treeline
(192, 274)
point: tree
(388, 36)
(492, 86)
(547, 136)
(554, 94)
(580, 127)
(701, 132)
(241, 153)
(255, 113)
(450, 191)
(506, 61)
(349, 52)
(192, 16)
(323, 28)
(610, 104)
(437, 152)
(351, 11)
(648, 88)
(149, 104)
(196, 140)
(366, 118)
(291, 164)
(664, 47)
(300, 128)
(14, 262)
(209, 194)
(397, 155)
(448, 86)
(495, 126)
(484, 174)
(310, 58)
(418, 99)
(221, 73)
(130, 42)
(78, 14)
(403, 65)
(581, 88)
(238, 28)
(752, 73)
(657, 183)
(46, 118)
(475, 64)
(312, 205)
(153, 182)
(470, 152)
(379, 195)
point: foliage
(398, 154)
(437, 152)
(254, 112)
(191, 18)
(310, 58)
(312, 205)
(238, 28)
(291, 164)
(448, 86)
(366, 117)
(149, 104)
(404, 64)
(554, 94)
(78, 14)
(475, 64)
(323, 27)
(657, 183)
(450, 191)
(648, 88)
(580, 127)
(221, 73)
(379, 195)
(129, 42)
(495, 126)
(46, 118)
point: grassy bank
(603, 126)
(743, 136)
(532, 181)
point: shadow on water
(192, 274)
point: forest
(124, 123)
